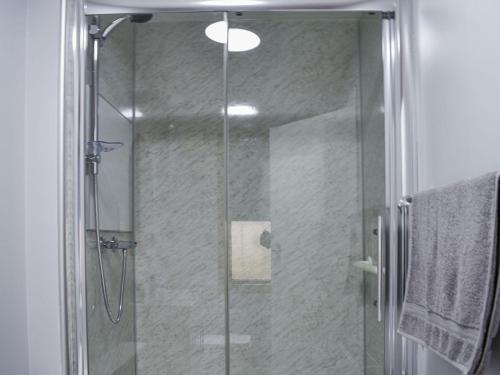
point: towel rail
(404, 206)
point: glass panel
(179, 192)
(168, 195)
(295, 171)
(111, 348)
(373, 168)
(305, 185)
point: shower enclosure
(238, 174)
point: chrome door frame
(397, 181)
(398, 130)
(73, 158)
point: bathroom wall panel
(117, 67)
(14, 356)
(317, 300)
(115, 177)
(43, 228)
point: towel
(452, 294)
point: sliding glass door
(241, 163)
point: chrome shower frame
(399, 129)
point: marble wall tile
(317, 301)
(117, 66)
(302, 68)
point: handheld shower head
(135, 18)
(140, 18)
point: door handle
(380, 270)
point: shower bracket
(95, 32)
(116, 244)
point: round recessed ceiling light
(242, 40)
(239, 39)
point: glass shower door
(300, 165)
(179, 197)
(252, 178)
(373, 147)
(111, 347)
(297, 156)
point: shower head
(140, 18)
(135, 18)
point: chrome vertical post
(392, 193)
(95, 33)
(404, 206)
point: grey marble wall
(373, 145)
(179, 200)
(111, 348)
(317, 304)
(117, 66)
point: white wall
(30, 323)
(41, 187)
(13, 333)
(457, 54)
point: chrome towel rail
(404, 208)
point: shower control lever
(115, 244)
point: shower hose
(114, 318)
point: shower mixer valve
(92, 161)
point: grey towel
(452, 296)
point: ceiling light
(129, 113)
(242, 40)
(241, 110)
(217, 32)
(239, 39)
